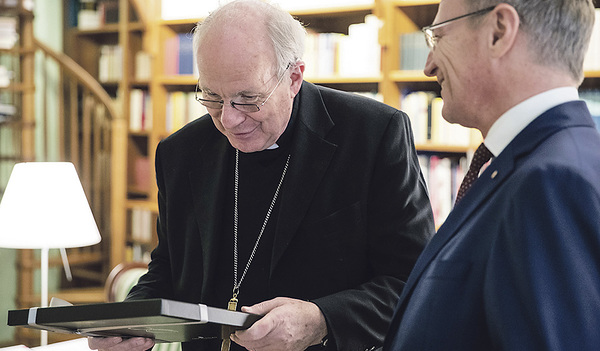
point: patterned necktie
(481, 156)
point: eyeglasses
(431, 39)
(240, 106)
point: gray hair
(286, 33)
(558, 31)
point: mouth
(242, 135)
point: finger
(260, 344)
(118, 344)
(96, 343)
(254, 337)
(265, 307)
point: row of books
(179, 55)
(6, 76)
(142, 227)
(413, 51)
(357, 54)
(182, 9)
(110, 67)
(94, 14)
(140, 110)
(139, 173)
(592, 58)
(8, 32)
(27, 4)
(143, 66)
(181, 109)
(138, 253)
(443, 176)
(7, 111)
(425, 112)
(8, 149)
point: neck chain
(232, 306)
(236, 283)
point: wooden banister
(85, 78)
(92, 135)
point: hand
(287, 325)
(119, 344)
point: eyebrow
(239, 93)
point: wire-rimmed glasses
(240, 106)
(431, 39)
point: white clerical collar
(273, 147)
(513, 121)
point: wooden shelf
(178, 80)
(111, 28)
(148, 205)
(410, 76)
(592, 74)
(337, 11)
(407, 3)
(343, 80)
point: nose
(430, 66)
(230, 117)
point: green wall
(48, 28)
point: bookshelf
(141, 29)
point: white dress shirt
(513, 121)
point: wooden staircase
(91, 136)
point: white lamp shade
(44, 206)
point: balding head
(265, 26)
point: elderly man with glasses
(298, 202)
(516, 265)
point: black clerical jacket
(353, 216)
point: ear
(297, 77)
(505, 29)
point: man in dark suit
(304, 203)
(516, 265)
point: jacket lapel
(208, 179)
(563, 116)
(310, 158)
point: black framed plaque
(160, 319)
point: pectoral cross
(226, 331)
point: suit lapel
(310, 158)
(550, 122)
(208, 179)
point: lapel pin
(494, 174)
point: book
(413, 51)
(443, 175)
(140, 110)
(160, 319)
(185, 54)
(425, 112)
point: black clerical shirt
(259, 175)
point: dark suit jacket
(354, 214)
(516, 266)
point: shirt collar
(513, 121)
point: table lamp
(44, 207)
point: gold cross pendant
(227, 331)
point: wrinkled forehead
(239, 45)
